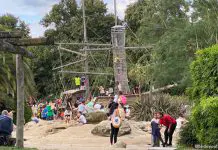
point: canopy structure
(73, 92)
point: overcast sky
(32, 11)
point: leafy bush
(144, 109)
(205, 120)
(188, 135)
(27, 113)
(204, 71)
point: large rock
(140, 126)
(96, 117)
(104, 128)
(119, 144)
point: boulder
(119, 144)
(96, 117)
(104, 128)
(140, 126)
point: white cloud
(27, 7)
(36, 29)
(121, 7)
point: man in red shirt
(170, 124)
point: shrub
(27, 114)
(204, 71)
(188, 135)
(144, 109)
(205, 120)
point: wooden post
(20, 100)
(85, 48)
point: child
(156, 135)
(81, 118)
(67, 115)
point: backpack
(116, 120)
(122, 99)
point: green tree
(204, 71)
(159, 24)
(66, 18)
(176, 34)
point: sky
(32, 11)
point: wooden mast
(20, 100)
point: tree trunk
(20, 100)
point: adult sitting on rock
(6, 128)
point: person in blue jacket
(6, 128)
(44, 113)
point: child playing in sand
(81, 118)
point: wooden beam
(71, 51)
(20, 100)
(90, 73)
(147, 47)
(84, 44)
(9, 48)
(32, 42)
(162, 88)
(96, 49)
(4, 35)
(75, 62)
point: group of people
(46, 111)
(57, 110)
(170, 124)
(80, 82)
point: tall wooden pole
(115, 11)
(85, 48)
(20, 100)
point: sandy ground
(78, 138)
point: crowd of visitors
(117, 111)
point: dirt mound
(43, 128)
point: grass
(14, 148)
(183, 147)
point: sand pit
(74, 137)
